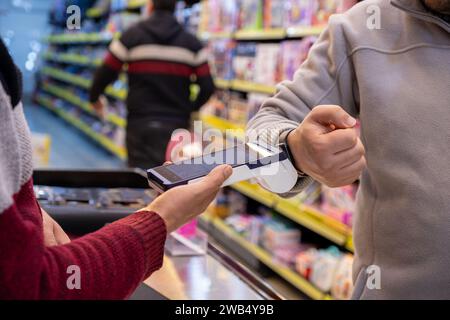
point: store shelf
(266, 34)
(96, 13)
(316, 222)
(304, 31)
(246, 86)
(78, 38)
(84, 105)
(215, 35)
(262, 255)
(136, 4)
(307, 217)
(226, 127)
(102, 140)
(81, 81)
(75, 59)
(222, 84)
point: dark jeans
(147, 141)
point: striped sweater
(112, 261)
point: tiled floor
(70, 148)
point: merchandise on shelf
(292, 55)
(329, 270)
(251, 14)
(339, 203)
(267, 64)
(222, 16)
(244, 61)
(221, 54)
(275, 14)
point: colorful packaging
(244, 61)
(266, 62)
(324, 269)
(342, 288)
(251, 15)
(275, 12)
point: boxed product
(339, 203)
(300, 12)
(342, 287)
(280, 234)
(221, 58)
(244, 61)
(324, 268)
(225, 15)
(266, 61)
(293, 54)
(275, 12)
(251, 15)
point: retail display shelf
(225, 126)
(77, 101)
(266, 34)
(245, 86)
(222, 83)
(305, 216)
(266, 258)
(304, 31)
(78, 38)
(136, 4)
(100, 139)
(96, 12)
(215, 35)
(81, 81)
(70, 58)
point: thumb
(217, 177)
(332, 118)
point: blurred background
(301, 246)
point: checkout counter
(84, 201)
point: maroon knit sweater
(112, 261)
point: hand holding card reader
(270, 166)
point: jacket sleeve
(203, 79)
(325, 78)
(108, 72)
(109, 264)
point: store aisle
(70, 148)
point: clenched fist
(326, 147)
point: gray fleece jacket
(396, 80)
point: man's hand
(99, 106)
(326, 146)
(54, 235)
(180, 205)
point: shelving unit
(77, 123)
(80, 81)
(77, 101)
(262, 255)
(82, 38)
(75, 59)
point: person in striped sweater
(35, 253)
(162, 61)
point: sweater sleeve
(109, 71)
(326, 78)
(110, 263)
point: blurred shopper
(396, 79)
(163, 61)
(35, 253)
